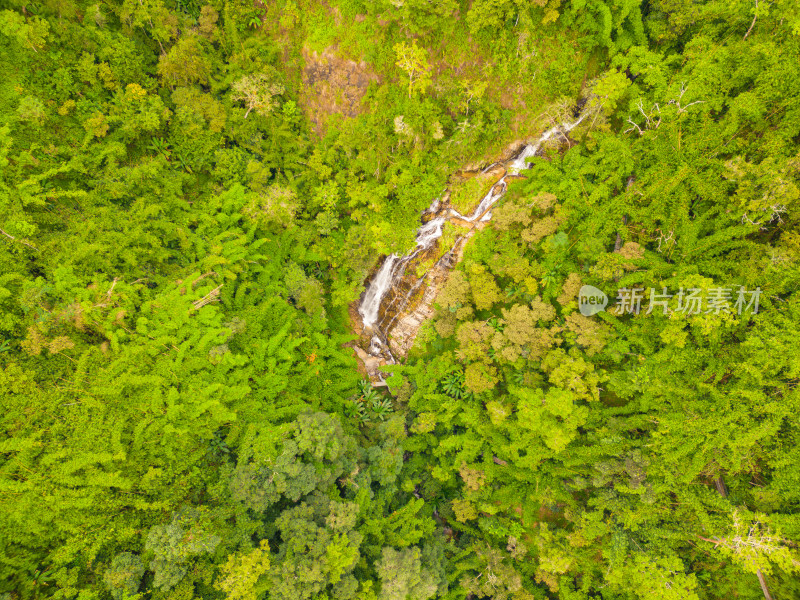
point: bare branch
(755, 16)
(8, 235)
(634, 126)
(212, 296)
(761, 579)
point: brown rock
(510, 178)
(405, 331)
(473, 168)
(458, 222)
(372, 363)
(495, 172)
(513, 150)
(361, 354)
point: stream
(396, 300)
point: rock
(372, 365)
(362, 355)
(461, 176)
(405, 331)
(494, 172)
(459, 222)
(510, 178)
(373, 362)
(355, 318)
(513, 150)
(473, 168)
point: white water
(380, 284)
(394, 266)
(521, 163)
(490, 198)
(517, 165)
(429, 233)
(377, 290)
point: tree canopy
(193, 197)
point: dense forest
(195, 196)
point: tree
(403, 577)
(31, 33)
(310, 454)
(258, 93)
(472, 91)
(173, 545)
(320, 549)
(124, 576)
(185, 63)
(243, 574)
(413, 60)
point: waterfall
(430, 232)
(392, 271)
(378, 287)
(520, 163)
(490, 198)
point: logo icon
(591, 300)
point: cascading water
(520, 162)
(378, 287)
(390, 279)
(394, 266)
(430, 232)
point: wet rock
(510, 178)
(372, 365)
(405, 331)
(512, 150)
(460, 222)
(494, 172)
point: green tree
(413, 61)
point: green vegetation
(466, 194)
(191, 196)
